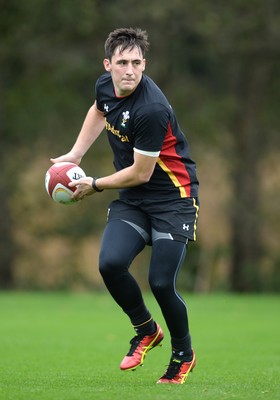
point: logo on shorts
(186, 227)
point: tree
(42, 47)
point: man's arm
(93, 125)
(138, 173)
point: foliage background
(217, 62)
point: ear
(107, 65)
(144, 64)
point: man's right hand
(69, 157)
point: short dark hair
(126, 38)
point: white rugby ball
(58, 177)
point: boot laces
(134, 344)
(173, 369)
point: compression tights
(120, 245)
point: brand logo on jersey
(186, 227)
(116, 132)
(106, 108)
(126, 117)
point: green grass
(69, 346)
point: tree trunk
(249, 84)
(6, 240)
(7, 246)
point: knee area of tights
(107, 264)
(160, 286)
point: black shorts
(170, 219)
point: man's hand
(84, 188)
(68, 157)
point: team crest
(125, 118)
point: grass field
(68, 347)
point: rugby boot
(140, 346)
(178, 371)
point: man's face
(126, 70)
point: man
(157, 205)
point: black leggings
(120, 245)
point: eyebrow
(122, 58)
(128, 59)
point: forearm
(138, 173)
(121, 179)
(93, 125)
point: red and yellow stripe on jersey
(172, 163)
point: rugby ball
(58, 177)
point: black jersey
(145, 122)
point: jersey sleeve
(103, 90)
(97, 95)
(150, 127)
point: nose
(129, 70)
